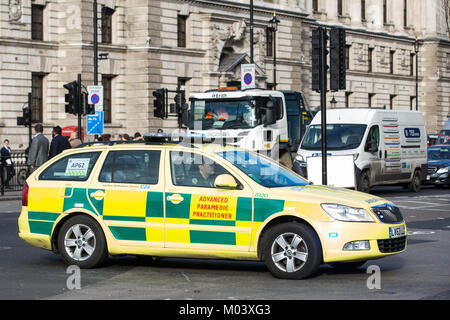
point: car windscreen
(444, 137)
(263, 170)
(339, 137)
(439, 153)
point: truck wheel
(364, 182)
(415, 184)
(81, 242)
(292, 251)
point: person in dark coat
(59, 143)
(5, 154)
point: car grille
(432, 170)
(392, 245)
(388, 213)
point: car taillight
(25, 195)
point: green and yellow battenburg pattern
(139, 215)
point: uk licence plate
(397, 232)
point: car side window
(131, 166)
(75, 167)
(374, 135)
(194, 170)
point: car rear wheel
(81, 242)
(292, 251)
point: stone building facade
(200, 44)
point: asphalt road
(422, 272)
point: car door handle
(98, 195)
(175, 199)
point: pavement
(11, 195)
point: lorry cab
(366, 147)
(265, 121)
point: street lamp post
(273, 27)
(416, 50)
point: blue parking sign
(95, 123)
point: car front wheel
(292, 251)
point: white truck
(266, 121)
(366, 147)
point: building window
(37, 92)
(339, 7)
(37, 22)
(405, 13)
(107, 14)
(315, 5)
(370, 60)
(269, 42)
(347, 57)
(371, 100)
(347, 99)
(391, 61)
(107, 97)
(384, 11)
(182, 31)
(392, 101)
(363, 10)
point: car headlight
(443, 170)
(299, 158)
(344, 213)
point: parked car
(439, 165)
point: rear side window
(75, 167)
(134, 166)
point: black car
(439, 165)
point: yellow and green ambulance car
(200, 201)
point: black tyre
(347, 265)
(81, 242)
(415, 184)
(292, 251)
(364, 182)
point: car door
(200, 216)
(130, 194)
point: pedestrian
(106, 137)
(74, 140)
(138, 136)
(38, 151)
(125, 137)
(6, 161)
(59, 143)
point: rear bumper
(34, 239)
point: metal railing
(12, 177)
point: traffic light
(159, 103)
(72, 98)
(319, 59)
(87, 108)
(180, 101)
(338, 59)
(25, 120)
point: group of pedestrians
(40, 150)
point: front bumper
(335, 234)
(438, 178)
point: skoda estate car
(185, 200)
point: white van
(366, 147)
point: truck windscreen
(339, 137)
(245, 113)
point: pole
(417, 76)
(274, 59)
(251, 32)
(30, 124)
(79, 104)
(95, 43)
(323, 102)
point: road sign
(95, 123)
(96, 97)
(247, 76)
